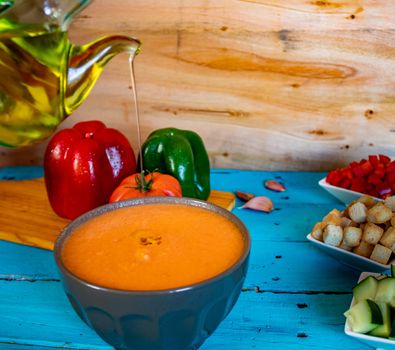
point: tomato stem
(142, 184)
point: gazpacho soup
(152, 247)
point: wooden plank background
(295, 85)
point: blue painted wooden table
(293, 298)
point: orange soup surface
(152, 247)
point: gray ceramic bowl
(174, 319)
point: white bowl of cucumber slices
(371, 316)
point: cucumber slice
(392, 334)
(386, 291)
(392, 270)
(385, 329)
(364, 316)
(381, 277)
(366, 289)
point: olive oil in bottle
(31, 71)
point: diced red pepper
(366, 167)
(374, 176)
(336, 176)
(384, 159)
(374, 160)
(357, 170)
(332, 177)
(345, 183)
(390, 167)
(357, 188)
(379, 171)
(347, 173)
(359, 181)
(373, 192)
(358, 184)
(390, 177)
(374, 179)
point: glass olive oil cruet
(43, 76)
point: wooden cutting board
(27, 218)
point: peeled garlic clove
(260, 203)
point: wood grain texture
(256, 322)
(305, 85)
(27, 217)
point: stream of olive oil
(136, 110)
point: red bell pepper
(83, 165)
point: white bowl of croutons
(361, 236)
(343, 195)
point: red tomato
(153, 184)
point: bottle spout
(88, 61)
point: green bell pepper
(182, 154)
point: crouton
(335, 212)
(367, 200)
(352, 236)
(381, 254)
(344, 246)
(353, 224)
(346, 210)
(379, 213)
(364, 249)
(333, 217)
(388, 238)
(345, 222)
(386, 225)
(372, 233)
(390, 202)
(393, 220)
(333, 235)
(317, 231)
(357, 212)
